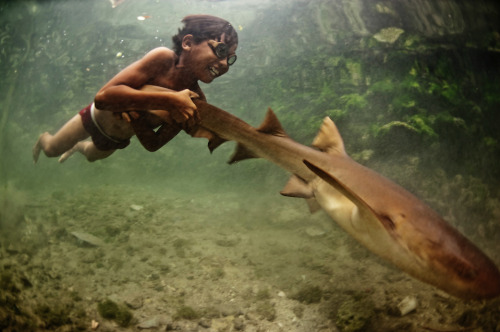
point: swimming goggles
(222, 51)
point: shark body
(381, 215)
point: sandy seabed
(204, 261)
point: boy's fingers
(126, 117)
(189, 115)
(191, 105)
(134, 115)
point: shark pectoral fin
(241, 153)
(363, 212)
(329, 139)
(296, 187)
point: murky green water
(195, 244)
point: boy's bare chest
(166, 81)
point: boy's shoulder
(162, 51)
(162, 54)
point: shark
(381, 215)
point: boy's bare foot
(37, 148)
(70, 152)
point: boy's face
(204, 63)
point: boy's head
(205, 27)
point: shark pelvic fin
(313, 205)
(241, 153)
(296, 187)
(329, 139)
(214, 141)
(271, 125)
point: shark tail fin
(328, 139)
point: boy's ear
(187, 42)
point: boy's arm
(124, 93)
(152, 140)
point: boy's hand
(182, 110)
(127, 116)
(185, 112)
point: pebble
(154, 322)
(149, 324)
(134, 302)
(407, 305)
(239, 324)
(205, 322)
(227, 309)
(315, 232)
(136, 207)
(88, 238)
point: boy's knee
(51, 151)
(93, 154)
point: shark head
(412, 236)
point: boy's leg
(88, 149)
(54, 145)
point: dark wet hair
(204, 27)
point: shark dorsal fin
(271, 125)
(329, 139)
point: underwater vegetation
(429, 95)
(309, 294)
(354, 315)
(111, 310)
(186, 312)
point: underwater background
(180, 240)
